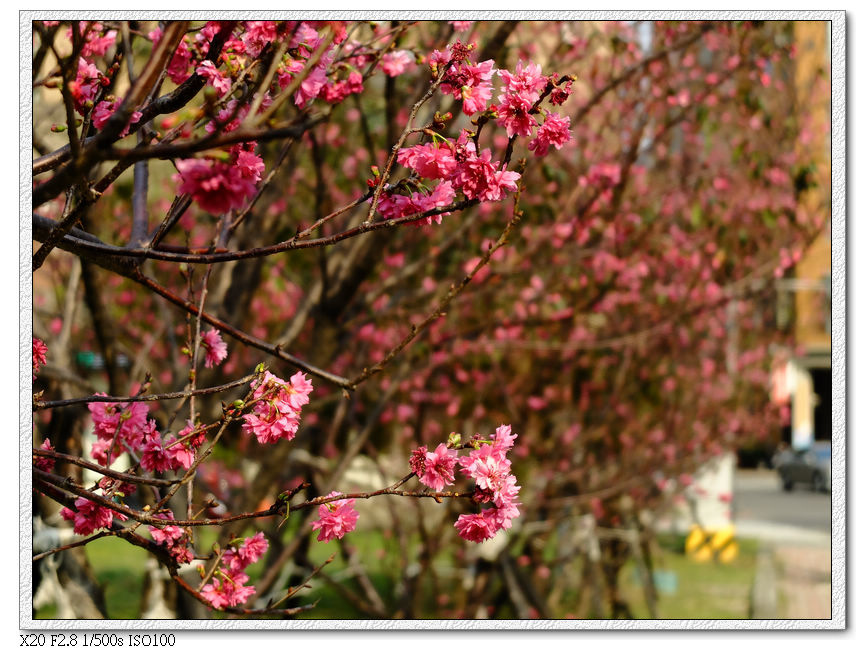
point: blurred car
(812, 466)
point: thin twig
(39, 406)
(66, 547)
(75, 243)
(120, 476)
(452, 293)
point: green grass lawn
(704, 590)
(119, 566)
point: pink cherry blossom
(503, 440)
(40, 350)
(438, 59)
(441, 197)
(336, 518)
(335, 92)
(194, 440)
(214, 77)
(305, 34)
(462, 25)
(513, 111)
(489, 470)
(312, 84)
(215, 348)
(494, 483)
(97, 40)
(475, 527)
(395, 63)
(214, 185)
(154, 457)
(430, 160)
(250, 165)
(99, 452)
(174, 538)
(229, 119)
(178, 67)
(526, 79)
(471, 83)
(277, 415)
(475, 173)
(86, 84)
(90, 516)
(105, 109)
(257, 35)
(180, 454)
(438, 468)
(555, 132)
(417, 460)
(40, 462)
(253, 548)
(228, 587)
(393, 205)
(228, 591)
(245, 553)
(475, 98)
(127, 421)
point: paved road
(796, 525)
(759, 499)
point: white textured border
(839, 340)
(839, 320)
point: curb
(764, 591)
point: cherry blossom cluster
(471, 83)
(88, 82)
(458, 167)
(119, 428)
(90, 516)
(106, 108)
(40, 352)
(228, 587)
(336, 518)
(494, 484)
(218, 185)
(489, 467)
(518, 102)
(276, 409)
(175, 539)
(172, 453)
(435, 469)
(40, 462)
(457, 164)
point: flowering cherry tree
(272, 253)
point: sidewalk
(803, 581)
(792, 581)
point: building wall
(812, 308)
(810, 287)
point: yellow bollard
(720, 545)
(729, 553)
(723, 537)
(696, 538)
